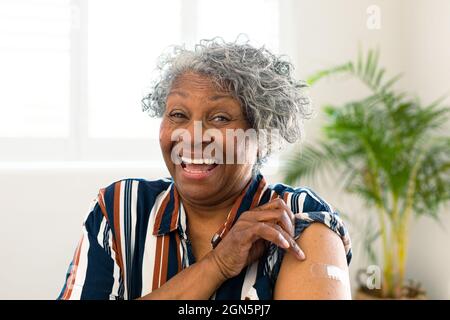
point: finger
(273, 233)
(293, 246)
(266, 232)
(278, 216)
(272, 215)
(277, 203)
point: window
(123, 45)
(257, 18)
(34, 68)
(73, 72)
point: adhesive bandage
(327, 271)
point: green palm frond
(389, 149)
(306, 162)
(366, 68)
(433, 178)
(344, 68)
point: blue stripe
(231, 289)
(263, 284)
(294, 202)
(109, 205)
(248, 197)
(106, 238)
(127, 232)
(100, 268)
(172, 264)
(265, 197)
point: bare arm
(198, 282)
(306, 279)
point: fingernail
(300, 253)
(285, 243)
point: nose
(195, 137)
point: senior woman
(216, 229)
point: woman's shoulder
(140, 186)
(133, 194)
(302, 198)
(310, 208)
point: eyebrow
(212, 98)
(220, 96)
(179, 93)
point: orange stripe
(101, 202)
(118, 257)
(232, 215)
(157, 264)
(175, 212)
(285, 196)
(71, 279)
(116, 246)
(274, 195)
(177, 239)
(256, 197)
(160, 213)
(165, 259)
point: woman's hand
(251, 234)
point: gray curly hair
(261, 81)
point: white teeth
(195, 171)
(186, 160)
(198, 161)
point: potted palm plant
(393, 154)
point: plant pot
(412, 290)
(364, 295)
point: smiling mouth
(198, 166)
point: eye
(177, 114)
(220, 118)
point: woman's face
(195, 101)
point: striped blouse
(134, 240)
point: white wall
(427, 28)
(42, 209)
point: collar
(169, 212)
